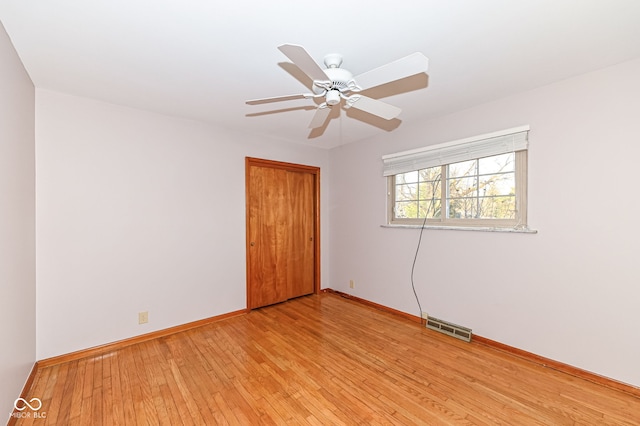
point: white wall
(139, 212)
(571, 292)
(17, 225)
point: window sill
(465, 228)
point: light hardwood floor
(319, 360)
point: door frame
(315, 171)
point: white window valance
(510, 140)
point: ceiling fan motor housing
(340, 79)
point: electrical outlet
(143, 317)
(425, 315)
(351, 284)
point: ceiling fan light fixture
(333, 97)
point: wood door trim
(281, 165)
(293, 167)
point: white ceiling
(201, 59)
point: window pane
(409, 209)
(407, 192)
(497, 164)
(430, 208)
(463, 187)
(498, 184)
(409, 177)
(406, 210)
(417, 194)
(464, 168)
(497, 207)
(430, 174)
(462, 190)
(429, 190)
(463, 208)
(482, 189)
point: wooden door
(282, 231)
(300, 278)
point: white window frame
(506, 141)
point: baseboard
(375, 305)
(559, 366)
(537, 359)
(98, 350)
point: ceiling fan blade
(279, 98)
(320, 116)
(278, 111)
(373, 106)
(413, 64)
(304, 61)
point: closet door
(301, 248)
(282, 211)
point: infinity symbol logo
(26, 404)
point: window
(476, 182)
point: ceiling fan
(334, 84)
